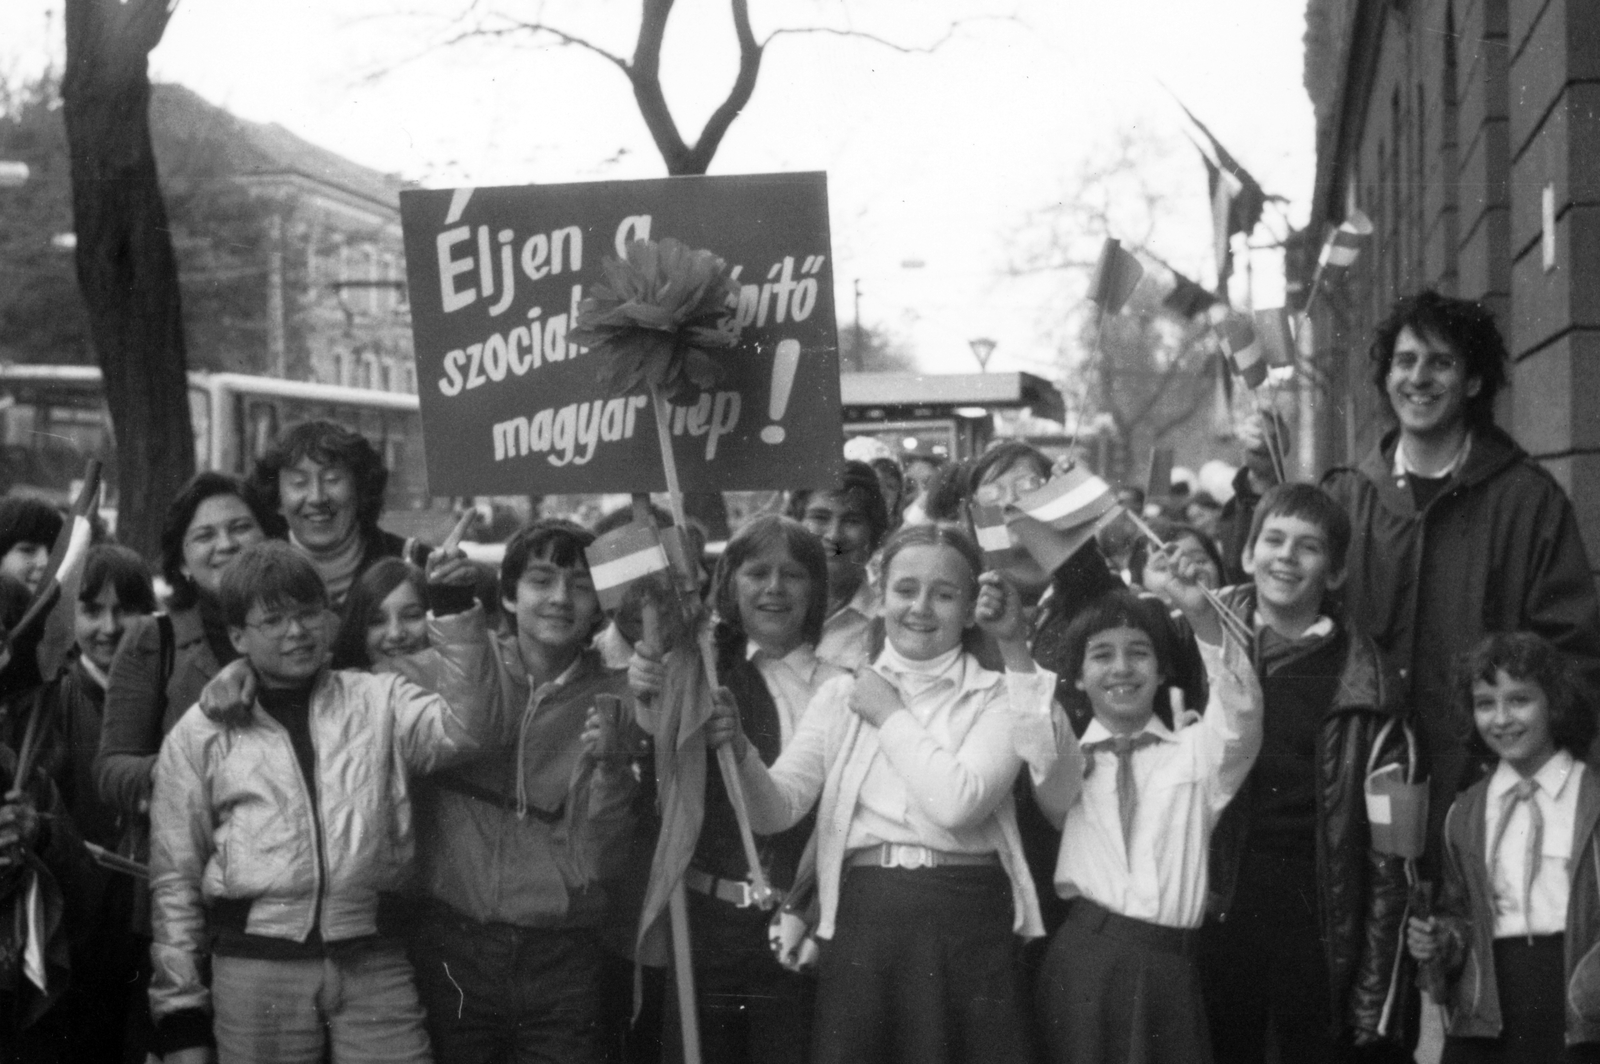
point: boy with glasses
(272, 840)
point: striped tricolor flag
(1074, 498)
(989, 528)
(1116, 275)
(623, 557)
(1245, 356)
(1345, 243)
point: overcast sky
(944, 160)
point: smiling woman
(328, 483)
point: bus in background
(53, 418)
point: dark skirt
(1119, 990)
(923, 968)
(1531, 978)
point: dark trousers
(1531, 979)
(923, 968)
(750, 1008)
(1115, 989)
(1265, 967)
(499, 994)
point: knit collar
(915, 678)
(338, 566)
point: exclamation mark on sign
(783, 367)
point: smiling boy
(517, 850)
(851, 521)
(1119, 981)
(1305, 919)
(272, 840)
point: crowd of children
(345, 799)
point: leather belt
(735, 892)
(900, 855)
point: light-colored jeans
(362, 1003)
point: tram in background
(950, 416)
(53, 418)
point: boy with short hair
(520, 851)
(852, 520)
(271, 841)
(1305, 931)
(1119, 981)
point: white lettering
(516, 340)
(451, 268)
(724, 417)
(494, 357)
(475, 377)
(570, 238)
(450, 384)
(534, 252)
(563, 435)
(588, 429)
(634, 227)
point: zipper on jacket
(319, 858)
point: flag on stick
(1187, 299)
(1050, 545)
(1275, 335)
(621, 558)
(990, 530)
(1344, 243)
(1238, 335)
(1116, 275)
(1070, 500)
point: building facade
(1468, 131)
(290, 256)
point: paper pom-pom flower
(658, 316)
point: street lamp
(982, 348)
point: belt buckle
(747, 898)
(902, 855)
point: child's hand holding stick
(1227, 618)
(999, 613)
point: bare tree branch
(905, 49)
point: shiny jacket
(1497, 550)
(231, 816)
(1363, 893)
(1466, 915)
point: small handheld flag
(1344, 245)
(623, 557)
(1275, 335)
(1238, 335)
(989, 529)
(1051, 546)
(1116, 275)
(1070, 500)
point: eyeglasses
(276, 625)
(1005, 492)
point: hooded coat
(1496, 550)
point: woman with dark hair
(770, 592)
(327, 483)
(165, 661)
(385, 617)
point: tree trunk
(125, 262)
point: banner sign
(510, 407)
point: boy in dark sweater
(1304, 928)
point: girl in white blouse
(922, 884)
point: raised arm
(466, 713)
(130, 733)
